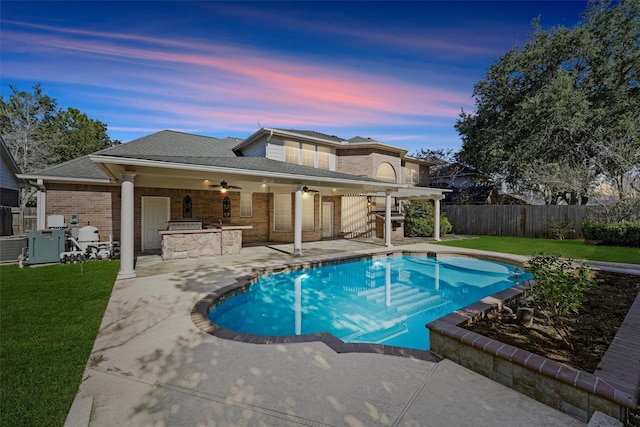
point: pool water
(384, 301)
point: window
(292, 152)
(309, 155)
(324, 155)
(386, 173)
(308, 212)
(411, 172)
(246, 204)
(281, 212)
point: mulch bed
(591, 331)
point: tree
(564, 105)
(39, 135)
(22, 121)
(74, 135)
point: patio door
(155, 214)
(327, 219)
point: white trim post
(127, 239)
(41, 206)
(297, 224)
(436, 220)
(387, 221)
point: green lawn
(574, 249)
(49, 318)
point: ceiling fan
(225, 186)
(306, 189)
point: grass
(574, 249)
(49, 318)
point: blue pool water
(384, 301)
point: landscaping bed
(592, 330)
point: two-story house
(288, 185)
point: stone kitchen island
(215, 241)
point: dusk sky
(398, 72)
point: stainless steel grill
(184, 225)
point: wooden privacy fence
(24, 220)
(517, 221)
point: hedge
(625, 233)
(419, 220)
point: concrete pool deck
(150, 365)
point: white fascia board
(417, 160)
(375, 145)
(64, 179)
(307, 137)
(235, 171)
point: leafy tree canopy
(563, 112)
(39, 134)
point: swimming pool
(386, 300)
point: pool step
(423, 304)
(405, 299)
(379, 334)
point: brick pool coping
(200, 318)
(612, 389)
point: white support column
(127, 239)
(387, 221)
(297, 224)
(436, 220)
(41, 208)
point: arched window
(187, 207)
(386, 173)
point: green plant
(624, 233)
(559, 230)
(560, 288)
(419, 220)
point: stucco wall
(365, 162)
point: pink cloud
(192, 83)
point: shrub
(625, 233)
(559, 230)
(419, 222)
(560, 288)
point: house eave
(279, 132)
(64, 179)
(129, 162)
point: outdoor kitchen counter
(215, 241)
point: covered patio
(202, 175)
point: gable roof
(313, 136)
(172, 143)
(170, 149)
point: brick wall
(97, 205)
(100, 206)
